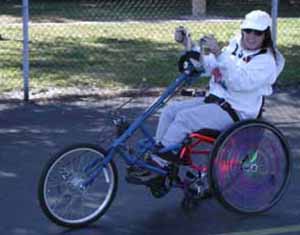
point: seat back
(262, 109)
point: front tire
(75, 188)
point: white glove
(183, 36)
(198, 65)
(211, 43)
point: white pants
(181, 118)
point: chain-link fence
(94, 46)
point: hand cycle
(248, 167)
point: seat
(262, 109)
(209, 132)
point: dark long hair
(268, 42)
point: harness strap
(235, 50)
(249, 57)
(223, 104)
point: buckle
(222, 102)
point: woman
(241, 75)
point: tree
(199, 7)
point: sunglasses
(256, 32)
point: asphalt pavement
(32, 132)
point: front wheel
(76, 188)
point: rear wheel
(76, 188)
(250, 167)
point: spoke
(105, 172)
(67, 209)
(54, 184)
(81, 163)
(57, 203)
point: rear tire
(250, 167)
(68, 192)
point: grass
(104, 55)
(116, 54)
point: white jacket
(246, 76)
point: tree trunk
(199, 7)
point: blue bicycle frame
(118, 147)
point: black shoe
(137, 171)
(141, 176)
(145, 179)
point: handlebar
(186, 65)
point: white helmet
(258, 20)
